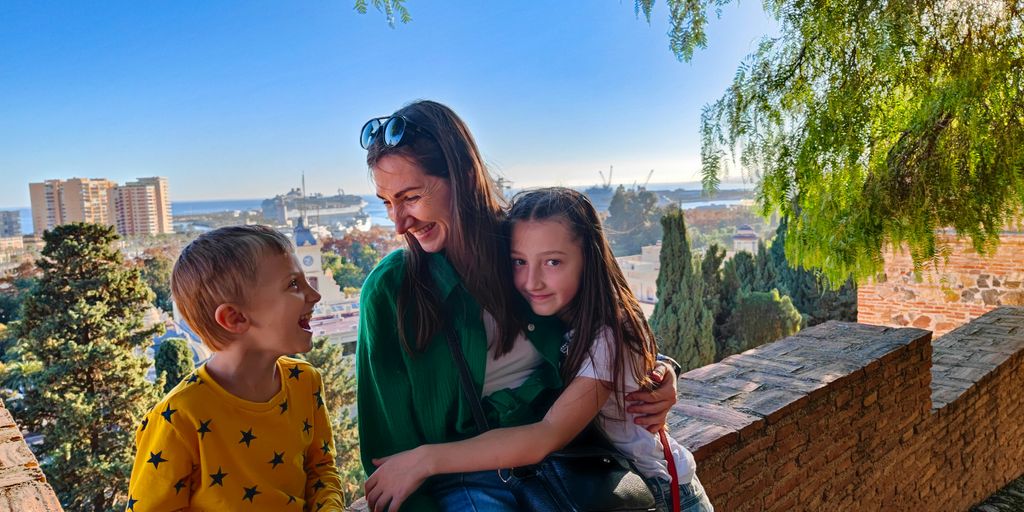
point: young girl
(563, 266)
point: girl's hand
(396, 478)
(652, 407)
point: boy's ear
(231, 318)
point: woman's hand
(652, 406)
(396, 478)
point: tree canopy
(872, 123)
(79, 367)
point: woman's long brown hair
(476, 245)
(604, 299)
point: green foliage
(340, 387)
(817, 301)
(173, 360)
(631, 222)
(759, 318)
(711, 275)
(872, 124)
(156, 272)
(390, 8)
(346, 274)
(681, 323)
(11, 299)
(78, 363)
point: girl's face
(547, 265)
(417, 203)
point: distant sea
(374, 208)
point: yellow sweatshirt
(204, 449)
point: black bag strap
(466, 380)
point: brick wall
(23, 487)
(848, 416)
(966, 287)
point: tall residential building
(10, 224)
(142, 207)
(56, 202)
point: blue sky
(236, 99)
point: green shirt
(405, 401)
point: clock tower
(307, 249)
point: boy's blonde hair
(219, 267)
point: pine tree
(681, 323)
(173, 360)
(340, 388)
(156, 272)
(764, 269)
(630, 224)
(711, 274)
(79, 365)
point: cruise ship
(343, 211)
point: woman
(429, 173)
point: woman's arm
(401, 474)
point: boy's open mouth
(304, 321)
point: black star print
(291, 499)
(318, 485)
(319, 399)
(306, 426)
(250, 493)
(293, 372)
(145, 422)
(168, 412)
(217, 478)
(131, 503)
(204, 427)
(194, 378)
(283, 406)
(156, 459)
(325, 448)
(247, 437)
(278, 459)
(179, 486)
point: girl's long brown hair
(604, 298)
(444, 147)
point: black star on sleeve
(155, 459)
(250, 493)
(168, 412)
(218, 477)
(278, 459)
(204, 427)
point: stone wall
(23, 487)
(966, 287)
(856, 417)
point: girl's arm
(399, 475)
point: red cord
(671, 469)
(669, 458)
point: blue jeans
(692, 497)
(476, 491)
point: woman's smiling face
(417, 203)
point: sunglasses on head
(393, 129)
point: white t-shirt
(634, 441)
(512, 369)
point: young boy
(248, 430)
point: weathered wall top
(739, 395)
(23, 487)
